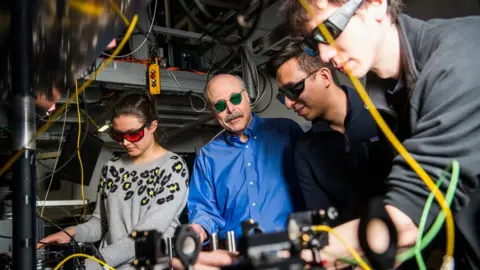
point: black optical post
(23, 127)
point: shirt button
(254, 204)
(246, 146)
(255, 137)
(249, 164)
(251, 183)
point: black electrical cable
(264, 83)
(265, 77)
(81, 144)
(221, 39)
(251, 68)
(49, 222)
(211, 65)
(207, 14)
(251, 61)
(60, 228)
(224, 61)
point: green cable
(440, 218)
(406, 255)
(421, 227)
(348, 261)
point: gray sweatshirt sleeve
(163, 214)
(94, 229)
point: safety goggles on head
(335, 24)
(292, 91)
(235, 99)
(131, 136)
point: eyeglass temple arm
(343, 15)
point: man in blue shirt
(343, 159)
(247, 171)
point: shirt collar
(252, 130)
(354, 107)
(410, 32)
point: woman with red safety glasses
(144, 189)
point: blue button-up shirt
(234, 181)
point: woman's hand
(57, 238)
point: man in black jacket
(343, 160)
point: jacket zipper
(347, 144)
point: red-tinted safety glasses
(131, 136)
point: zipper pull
(347, 144)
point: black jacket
(343, 170)
(437, 106)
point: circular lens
(220, 106)
(236, 98)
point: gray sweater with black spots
(134, 197)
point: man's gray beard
(233, 116)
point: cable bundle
(242, 17)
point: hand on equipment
(58, 238)
(209, 260)
(198, 229)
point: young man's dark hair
(293, 49)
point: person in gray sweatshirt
(144, 189)
(426, 74)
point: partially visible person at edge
(247, 171)
(426, 74)
(343, 160)
(144, 189)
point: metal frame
(23, 127)
(133, 76)
(180, 33)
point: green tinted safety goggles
(235, 99)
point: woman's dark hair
(140, 105)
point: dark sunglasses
(292, 91)
(335, 24)
(131, 136)
(235, 99)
